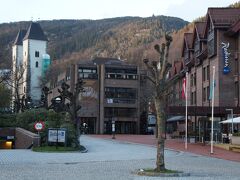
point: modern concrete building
(111, 94)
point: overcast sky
(25, 10)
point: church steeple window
(36, 53)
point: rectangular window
(195, 79)
(191, 80)
(36, 53)
(211, 43)
(192, 98)
(196, 47)
(121, 95)
(204, 94)
(236, 67)
(87, 73)
(121, 70)
(120, 112)
(195, 97)
(207, 93)
(119, 73)
(186, 56)
(208, 73)
(236, 89)
(203, 73)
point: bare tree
(69, 103)
(15, 80)
(158, 71)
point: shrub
(71, 134)
(7, 120)
(236, 134)
(27, 118)
(51, 119)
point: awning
(234, 120)
(176, 118)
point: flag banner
(184, 88)
(211, 89)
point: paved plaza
(109, 160)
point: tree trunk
(160, 163)
(78, 131)
(77, 121)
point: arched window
(36, 64)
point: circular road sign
(39, 126)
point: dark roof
(199, 27)
(109, 61)
(20, 36)
(188, 37)
(35, 32)
(198, 33)
(223, 16)
(187, 42)
(234, 28)
(179, 66)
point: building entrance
(88, 125)
(121, 127)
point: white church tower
(17, 59)
(34, 48)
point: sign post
(113, 129)
(39, 126)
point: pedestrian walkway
(109, 159)
(177, 144)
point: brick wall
(24, 139)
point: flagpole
(186, 120)
(212, 108)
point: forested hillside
(113, 37)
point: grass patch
(164, 171)
(58, 149)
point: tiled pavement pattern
(108, 160)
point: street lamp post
(231, 110)
(113, 128)
(58, 102)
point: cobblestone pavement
(109, 160)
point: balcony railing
(202, 55)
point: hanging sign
(225, 54)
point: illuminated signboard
(225, 54)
